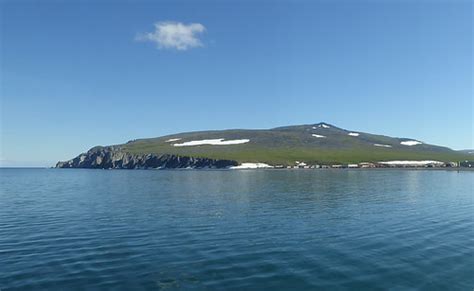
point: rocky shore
(114, 158)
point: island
(319, 145)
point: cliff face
(115, 158)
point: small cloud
(174, 35)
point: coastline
(464, 169)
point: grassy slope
(289, 144)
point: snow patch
(324, 125)
(218, 141)
(353, 134)
(317, 135)
(411, 163)
(172, 139)
(251, 166)
(382, 145)
(410, 142)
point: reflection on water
(273, 229)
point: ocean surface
(67, 229)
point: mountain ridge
(319, 143)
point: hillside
(320, 143)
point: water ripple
(282, 230)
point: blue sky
(79, 74)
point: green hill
(319, 143)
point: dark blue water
(239, 230)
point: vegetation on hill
(285, 145)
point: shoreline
(464, 169)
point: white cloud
(174, 35)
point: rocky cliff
(115, 158)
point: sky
(76, 74)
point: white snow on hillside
(410, 142)
(251, 166)
(317, 135)
(218, 141)
(382, 145)
(353, 134)
(324, 126)
(412, 163)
